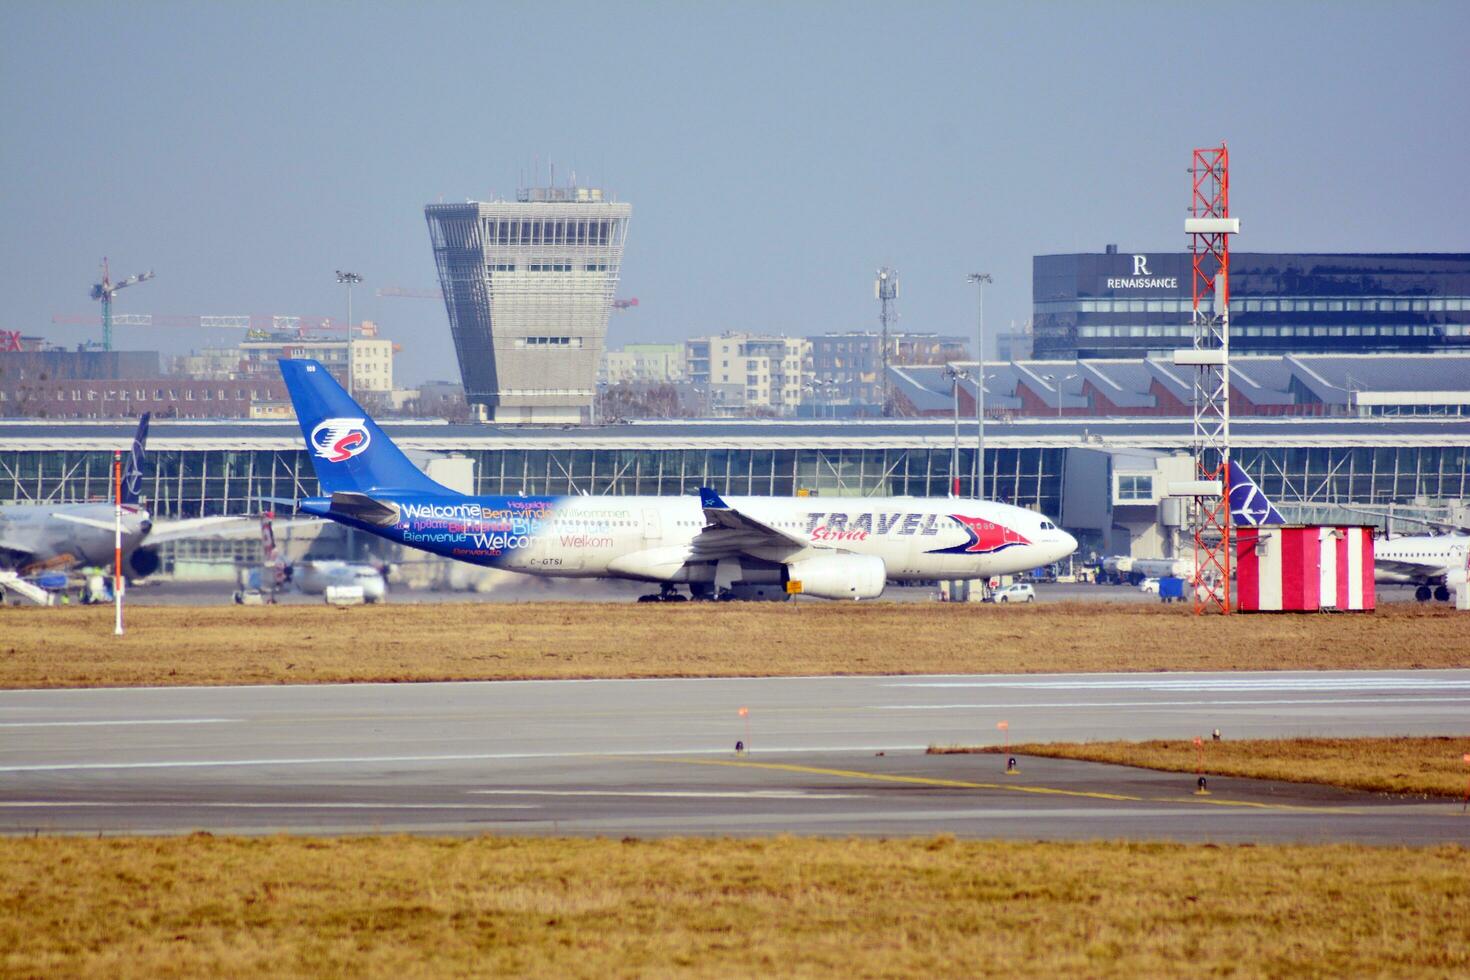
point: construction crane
(257, 323)
(105, 290)
(403, 292)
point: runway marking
(757, 794)
(913, 780)
(1020, 705)
(154, 804)
(1371, 682)
(455, 757)
(1008, 787)
(129, 721)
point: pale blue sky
(774, 154)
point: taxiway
(652, 757)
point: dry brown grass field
(74, 646)
(423, 907)
(1428, 766)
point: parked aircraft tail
(1248, 504)
(132, 485)
(348, 451)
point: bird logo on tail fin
(338, 440)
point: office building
(645, 363)
(747, 374)
(848, 367)
(1121, 304)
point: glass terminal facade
(1119, 304)
(183, 483)
(1357, 468)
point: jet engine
(839, 576)
(143, 562)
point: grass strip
(1426, 766)
(419, 907)
(168, 645)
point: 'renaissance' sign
(1142, 278)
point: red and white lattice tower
(1209, 227)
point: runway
(655, 757)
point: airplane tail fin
(132, 486)
(348, 451)
(1248, 505)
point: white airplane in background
(309, 577)
(1433, 563)
(737, 547)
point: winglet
(710, 500)
(1248, 505)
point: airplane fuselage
(1421, 559)
(37, 536)
(668, 539)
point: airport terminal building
(1119, 304)
(1102, 479)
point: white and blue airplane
(716, 547)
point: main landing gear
(665, 594)
(1441, 593)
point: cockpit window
(1048, 526)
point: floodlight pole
(349, 279)
(955, 375)
(980, 279)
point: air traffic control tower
(528, 285)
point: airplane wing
(211, 528)
(85, 521)
(1403, 566)
(731, 532)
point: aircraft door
(652, 528)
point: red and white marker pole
(117, 591)
(745, 714)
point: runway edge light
(1201, 786)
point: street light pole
(980, 279)
(955, 375)
(349, 279)
(1056, 381)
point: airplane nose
(1067, 546)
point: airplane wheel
(1422, 593)
(1442, 594)
(651, 597)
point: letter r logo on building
(1140, 265)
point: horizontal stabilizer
(363, 509)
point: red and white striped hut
(1304, 568)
